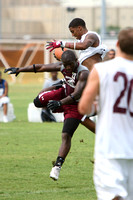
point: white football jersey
(114, 129)
(90, 51)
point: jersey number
(116, 107)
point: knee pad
(37, 102)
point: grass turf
(27, 151)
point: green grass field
(28, 149)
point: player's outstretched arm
(90, 40)
(35, 68)
(69, 45)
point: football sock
(59, 161)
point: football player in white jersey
(88, 43)
(91, 49)
(113, 82)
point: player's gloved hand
(59, 84)
(53, 105)
(55, 44)
(12, 70)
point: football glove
(12, 70)
(55, 44)
(53, 105)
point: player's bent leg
(70, 125)
(43, 98)
(88, 123)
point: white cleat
(54, 174)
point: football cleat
(54, 174)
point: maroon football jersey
(70, 110)
(71, 78)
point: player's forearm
(72, 98)
(77, 45)
(41, 68)
(67, 100)
(31, 68)
(74, 45)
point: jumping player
(63, 99)
(91, 50)
(113, 82)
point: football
(58, 53)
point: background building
(26, 25)
(50, 18)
